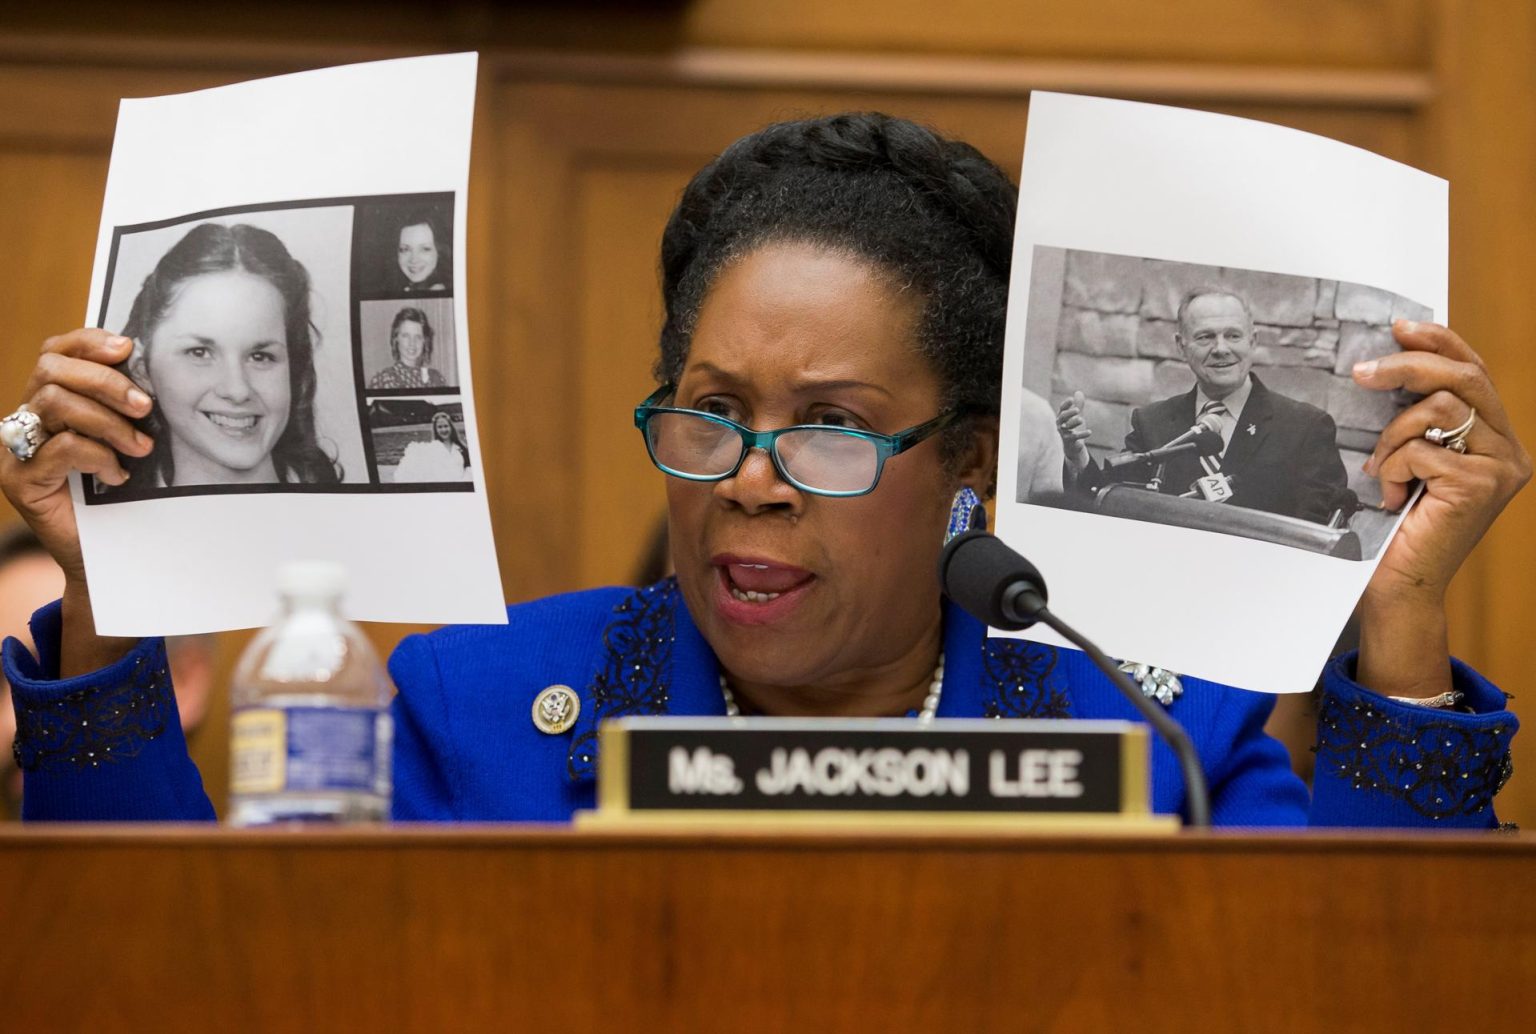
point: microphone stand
(1022, 603)
(1171, 731)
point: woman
(443, 458)
(420, 257)
(224, 346)
(410, 341)
(841, 282)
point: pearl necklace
(924, 716)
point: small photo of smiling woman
(241, 335)
(404, 247)
(408, 345)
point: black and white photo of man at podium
(1213, 398)
(1229, 438)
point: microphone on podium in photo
(1204, 438)
(1208, 422)
(998, 586)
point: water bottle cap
(312, 579)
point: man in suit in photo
(1277, 454)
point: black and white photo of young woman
(239, 326)
(405, 247)
(420, 440)
(408, 344)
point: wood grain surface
(428, 929)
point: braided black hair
(933, 214)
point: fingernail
(137, 399)
(1408, 326)
(118, 341)
(142, 440)
(1365, 370)
(1370, 465)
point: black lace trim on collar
(96, 725)
(1438, 768)
(1018, 681)
(637, 655)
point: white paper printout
(287, 255)
(1127, 210)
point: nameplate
(698, 767)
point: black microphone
(996, 585)
(991, 582)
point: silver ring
(22, 432)
(1455, 440)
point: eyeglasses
(816, 458)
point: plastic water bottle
(311, 729)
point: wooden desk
(167, 928)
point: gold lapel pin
(555, 709)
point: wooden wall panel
(1363, 34)
(534, 492)
(1316, 33)
(48, 216)
(621, 211)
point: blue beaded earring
(966, 513)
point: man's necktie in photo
(1215, 486)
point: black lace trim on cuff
(637, 655)
(1438, 768)
(1018, 681)
(97, 724)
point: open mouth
(757, 582)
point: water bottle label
(277, 750)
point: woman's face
(792, 334)
(442, 427)
(218, 367)
(418, 252)
(411, 342)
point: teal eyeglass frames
(816, 458)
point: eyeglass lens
(818, 458)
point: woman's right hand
(87, 408)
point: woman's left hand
(1403, 609)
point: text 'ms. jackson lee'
(668, 764)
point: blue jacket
(108, 745)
